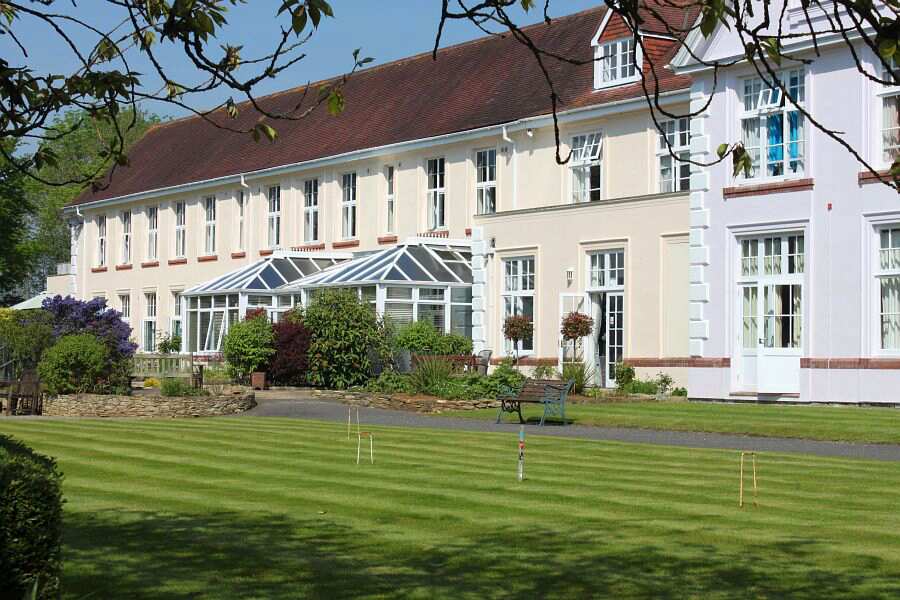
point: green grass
(271, 508)
(840, 423)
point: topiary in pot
(517, 328)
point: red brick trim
(387, 239)
(850, 363)
(866, 177)
(468, 232)
(98, 269)
(671, 362)
(207, 258)
(795, 185)
(309, 247)
(240, 254)
(178, 261)
(124, 267)
(266, 252)
(149, 264)
(529, 361)
(440, 233)
(345, 244)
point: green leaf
(336, 102)
(887, 48)
(266, 130)
(527, 5)
(722, 150)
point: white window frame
(176, 316)
(149, 323)
(101, 240)
(879, 274)
(240, 199)
(349, 182)
(605, 270)
(486, 181)
(209, 213)
(390, 198)
(886, 93)
(125, 306)
(152, 232)
(273, 199)
(619, 73)
(125, 218)
(436, 192)
(311, 210)
(586, 154)
(674, 174)
(766, 103)
(180, 229)
(518, 285)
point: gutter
(534, 122)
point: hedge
(30, 521)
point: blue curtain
(795, 149)
(775, 139)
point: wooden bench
(550, 393)
(24, 395)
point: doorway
(608, 338)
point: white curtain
(890, 313)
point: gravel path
(292, 405)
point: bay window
(518, 297)
(274, 217)
(348, 206)
(486, 181)
(311, 210)
(674, 138)
(615, 63)
(887, 277)
(209, 210)
(435, 193)
(772, 129)
(586, 167)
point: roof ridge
(392, 63)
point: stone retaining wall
(421, 404)
(102, 405)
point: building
(794, 267)
(458, 151)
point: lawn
(841, 423)
(270, 508)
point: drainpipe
(515, 169)
(248, 229)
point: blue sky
(385, 31)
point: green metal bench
(548, 392)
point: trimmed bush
(346, 335)
(290, 364)
(76, 364)
(421, 337)
(30, 521)
(517, 328)
(248, 346)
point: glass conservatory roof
(431, 263)
(267, 274)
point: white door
(780, 348)
(615, 334)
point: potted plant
(517, 328)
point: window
(518, 296)
(241, 205)
(101, 241)
(486, 181)
(149, 333)
(586, 168)
(615, 63)
(390, 199)
(606, 269)
(674, 138)
(125, 306)
(209, 317)
(126, 237)
(274, 195)
(175, 327)
(772, 129)
(348, 205)
(890, 114)
(152, 232)
(209, 210)
(311, 210)
(180, 229)
(435, 193)
(887, 276)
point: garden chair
(24, 396)
(483, 361)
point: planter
(258, 380)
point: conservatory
(420, 280)
(209, 308)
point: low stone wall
(421, 404)
(102, 405)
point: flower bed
(111, 405)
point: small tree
(248, 346)
(517, 328)
(576, 326)
(24, 335)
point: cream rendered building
(461, 150)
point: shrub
(30, 521)
(506, 375)
(169, 344)
(517, 328)
(290, 364)
(391, 382)
(75, 364)
(173, 386)
(545, 372)
(430, 373)
(663, 383)
(216, 379)
(679, 391)
(151, 382)
(248, 346)
(346, 335)
(421, 337)
(624, 375)
(25, 335)
(578, 372)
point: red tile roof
(488, 81)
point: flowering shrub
(92, 316)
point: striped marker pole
(521, 452)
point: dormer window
(615, 63)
